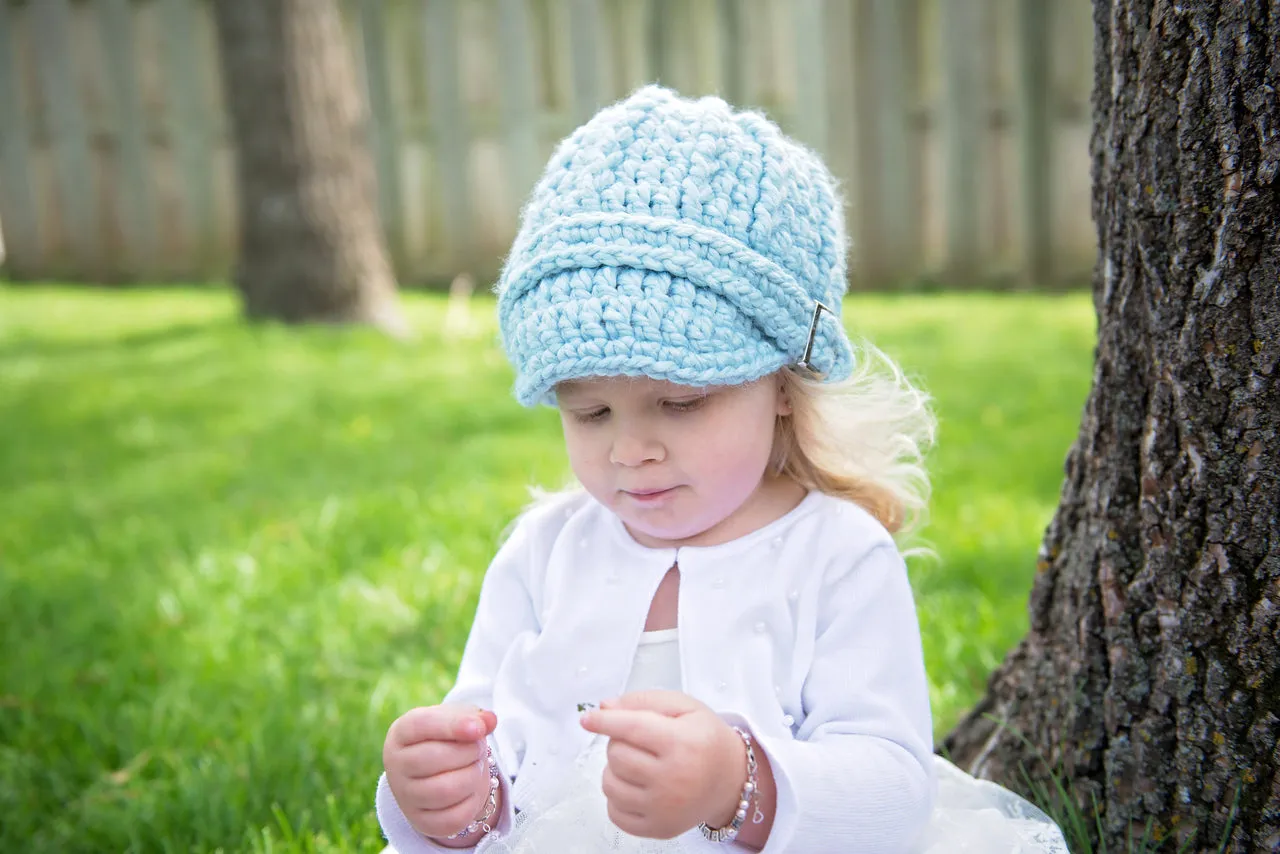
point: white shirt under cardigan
(803, 631)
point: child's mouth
(649, 496)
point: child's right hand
(434, 759)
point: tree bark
(1149, 675)
(311, 246)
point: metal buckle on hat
(804, 362)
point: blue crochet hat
(678, 240)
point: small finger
(427, 759)
(490, 721)
(669, 703)
(447, 790)
(626, 796)
(648, 731)
(437, 723)
(630, 763)
(629, 822)
(442, 823)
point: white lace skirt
(979, 817)
(970, 816)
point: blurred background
(959, 128)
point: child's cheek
(732, 479)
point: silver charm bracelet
(490, 805)
(729, 832)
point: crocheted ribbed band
(676, 240)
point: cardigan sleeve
(858, 775)
(505, 611)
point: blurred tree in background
(311, 248)
(1149, 676)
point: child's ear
(783, 401)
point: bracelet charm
(729, 832)
(481, 822)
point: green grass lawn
(230, 556)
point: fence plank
(1034, 48)
(134, 208)
(842, 135)
(703, 44)
(898, 162)
(810, 117)
(865, 225)
(631, 50)
(18, 213)
(449, 130)
(584, 40)
(519, 110)
(759, 47)
(732, 87)
(963, 109)
(660, 60)
(678, 45)
(187, 126)
(385, 131)
(67, 130)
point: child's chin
(674, 532)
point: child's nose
(631, 449)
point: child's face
(677, 464)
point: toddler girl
(712, 642)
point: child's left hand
(672, 763)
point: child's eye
(685, 405)
(591, 415)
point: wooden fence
(958, 128)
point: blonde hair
(863, 439)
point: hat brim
(611, 321)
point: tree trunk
(1149, 675)
(311, 246)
